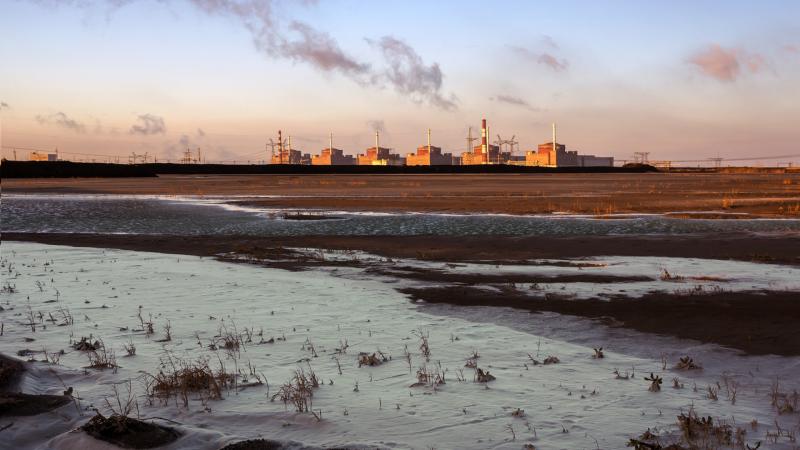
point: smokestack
(429, 141)
(377, 143)
(554, 136)
(484, 137)
(330, 142)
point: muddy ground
(766, 195)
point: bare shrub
(598, 353)
(424, 347)
(299, 390)
(687, 363)
(655, 382)
(374, 359)
(482, 376)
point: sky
(682, 80)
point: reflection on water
(147, 215)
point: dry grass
(102, 358)
(299, 391)
(178, 378)
(783, 402)
(696, 433)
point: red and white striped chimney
(484, 137)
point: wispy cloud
(148, 124)
(512, 100)
(549, 41)
(300, 42)
(4, 105)
(726, 64)
(62, 120)
(557, 65)
(791, 48)
(409, 75)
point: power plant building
(379, 156)
(546, 157)
(39, 156)
(332, 157)
(553, 154)
(429, 155)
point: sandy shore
(760, 194)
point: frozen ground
(671, 275)
(574, 404)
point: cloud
(200, 133)
(409, 75)
(541, 58)
(302, 43)
(321, 51)
(405, 71)
(549, 41)
(62, 120)
(148, 124)
(4, 105)
(511, 100)
(551, 61)
(312, 46)
(726, 64)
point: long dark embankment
(67, 169)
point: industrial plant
(548, 154)
(500, 152)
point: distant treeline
(67, 169)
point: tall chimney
(330, 142)
(488, 153)
(554, 137)
(280, 146)
(429, 141)
(484, 137)
(377, 143)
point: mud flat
(781, 248)
(768, 195)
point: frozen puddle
(574, 404)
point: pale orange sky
(678, 80)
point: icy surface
(221, 215)
(671, 275)
(575, 404)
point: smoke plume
(62, 120)
(148, 124)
